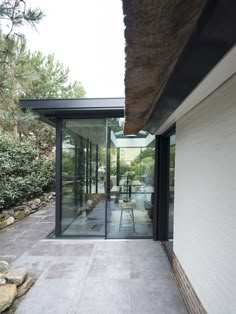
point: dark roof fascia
(72, 103)
(51, 109)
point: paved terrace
(89, 276)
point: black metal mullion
(118, 166)
(81, 169)
(109, 162)
(96, 179)
(87, 165)
(76, 173)
(162, 187)
(107, 183)
(155, 205)
(90, 167)
(58, 177)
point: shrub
(23, 175)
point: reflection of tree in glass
(116, 124)
(68, 164)
(143, 165)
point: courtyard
(89, 276)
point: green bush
(23, 175)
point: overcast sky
(88, 37)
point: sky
(88, 37)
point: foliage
(143, 165)
(123, 168)
(26, 144)
(140, 168)
(48, 78)
(16, 13)
(24, 74)
(33, 76)
(22, 174)
(68, 164)
(13, 14)
(148, 170)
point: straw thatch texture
(156, 32)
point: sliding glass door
(107, 180)
(83, 170)
(131, 183)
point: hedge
(23, 175)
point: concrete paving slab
(49, 296)
(156, 296)
(150, 268)
(110, 267)
(108, 248)
(67, 268)
(105, 296)
(89, 276)
(60, 248)
(146, 248)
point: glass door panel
(83, 196)
(131, 183)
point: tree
(28, 75)
(13, 15)
(49, 79)
(32, 75)
(13, 82)
(143, 165)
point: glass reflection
(83, 168)
(107, 180)
(131, 163)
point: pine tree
(33, 76)
(28, 75)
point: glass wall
(131, 188)
(107, 185)
(83, 177)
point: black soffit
(214, 36)
(51, 109)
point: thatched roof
(156, 33)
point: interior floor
(119, 225)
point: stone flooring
(93, 224)
(89, 276)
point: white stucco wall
(205, 198)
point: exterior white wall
(205, 198)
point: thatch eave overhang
(156, 33)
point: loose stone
(7, 296)
(20, 214)
(7, 222)
(27, 210)
(25, 286)
(9, 216)
(37, 201)
(34, 206)
(17, 208)
(16, 276)
(2, 279)
(4, 267)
